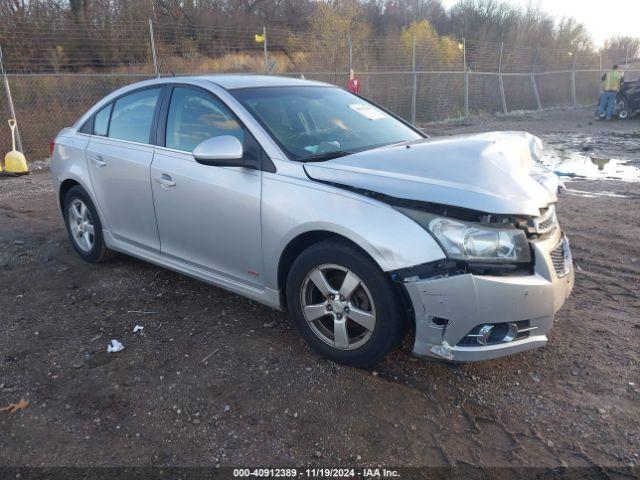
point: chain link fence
(56, 73)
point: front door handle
(99, 162)
(165, 181)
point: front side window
(195, 116)
(319, 123)
(133, 115)
(101, 121)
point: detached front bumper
(517, 311)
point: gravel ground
(214, 379)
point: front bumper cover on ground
(447, 309)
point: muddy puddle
(610, 156)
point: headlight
(474, 242)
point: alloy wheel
(338, 306)
(81, 225)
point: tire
(84, 227)
(622, 106)
(327, 324)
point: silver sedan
(304, 197)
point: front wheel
(344, 306)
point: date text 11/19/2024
(316, 473)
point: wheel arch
(64, 188)
(305, 240)
(67, 184)
(299, 244)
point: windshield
(320, 123)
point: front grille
(561, 258)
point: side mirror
(222, 151)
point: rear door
(119, 156)
(208, 216)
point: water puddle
(584, 193)
(584, 165)
(623, 145)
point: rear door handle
(99, 162)
(165, 181)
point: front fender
(292, 207)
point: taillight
(52, 147)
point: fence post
(626, 57)
(500, 82)
(7, 91)
(153, 50)
(466, 78)
(600, 61)
(350, 54)
(536, 94)
(414, 85)
(573, 81)
(266, 50)
(534, 84)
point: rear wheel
(83, 226)
(343, 305)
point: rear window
(132, 116)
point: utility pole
(7, 91)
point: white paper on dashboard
(368, 111)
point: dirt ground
(214, 379)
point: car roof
(235, 81)
(225, 81)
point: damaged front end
(490, 205)
(469, 309)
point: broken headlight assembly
(474, 241)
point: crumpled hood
(494, 172)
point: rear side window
(132, 116)
(195, 116)
(101, 121)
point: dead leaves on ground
(14, 407)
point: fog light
(497, 333)
(512, 333)
(482, 337)
(492, 333)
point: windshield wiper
(321, 157)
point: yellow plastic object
(14, 161)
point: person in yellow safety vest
(611, 82)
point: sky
(603, 19)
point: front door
(208, 217)
(119, 159)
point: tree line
(366, 34)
